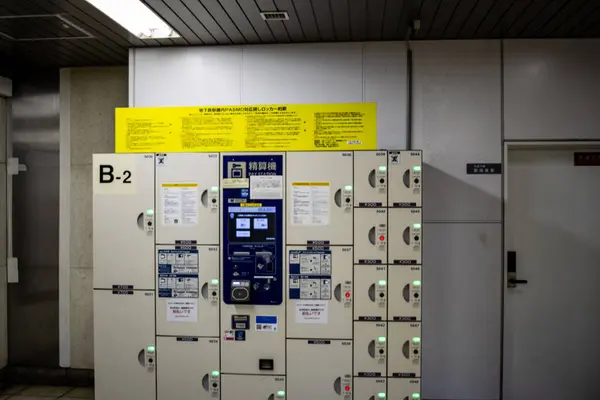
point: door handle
(511, 271)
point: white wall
(311, 73)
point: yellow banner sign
(278, 127)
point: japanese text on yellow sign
(246, 128)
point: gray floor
(46, 393)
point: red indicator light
(347, 388)
(347, 294)
(381, 237)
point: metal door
(404, 293)
(370, 178)
(371, 389)
(551, 318)
(124, 345)
(405, 178)
(320, 197)
(370, 349)
(252, 387)
(187, 198)
(405, 234)
(123, 221)
(370, 236)
(370, 292)
(404, 349)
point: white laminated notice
(180, 203)
(182, 310)
(311, 203)
(311, 312)
(266, 187)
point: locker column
(404, 273)
(187, 276)
(320, 286)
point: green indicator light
(215, 373)
(381, 395)
(416, 396)
(381, 339)
(416, 168)
(281, 393)
(382, 283)
(214, 189)
(416, 340)
(383, 168)
(214, 282)
(348, 187)
(416, 283)
(149, 212)
(151, 349)
(417, 226)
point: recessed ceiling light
(134, 16)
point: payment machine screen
(252, 224)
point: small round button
(149, 223)
(381, 294)
(151, 360)
(417, 180)
(416, 238)
(347, 199)
(416, 295)
(381, 351)
(416, 351)
(215, 384)
(214, 293)
(382, 180)
(214, 200)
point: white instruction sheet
(311, 203)
(182, 310)
(266, 187)
(180, 203)
(311, 312)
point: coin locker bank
(257, 276)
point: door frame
(508, 145)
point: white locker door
(203, 307)
(404, 349)
(370, 178)
(370, 349)
(319, 369)
(404, 292)
(123, 218)
(187, 368)
(370, 292)
(320, 197)
(404, 389)
(187, 198)
(124, 345)
(405, 178)
(406, 234)
(371, 389)
(329, 293)
(252, 387)
(370, 236)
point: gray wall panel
(456, 120)
(552, 89)
(462, 272)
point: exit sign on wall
(586, 158)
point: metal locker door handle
(204, 198)
(406, 235)
(337, 385)
(372, 178)
(140, 221)
(372, 292)
(205, 382)
(371, 348)
(406, 349)
(511, 269)
(337, 292)
(337, 198)
(406, 178)
(142, 358)
(204, 291)
(271, 397)
(372, 236)
(406, 293)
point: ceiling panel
(227, 22)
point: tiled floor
(46, 393)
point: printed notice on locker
(182, 310)
(266, 187)
(311, 312)
(180, 203)
(310, 203)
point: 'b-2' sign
(115, 174)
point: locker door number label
(115, 177)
